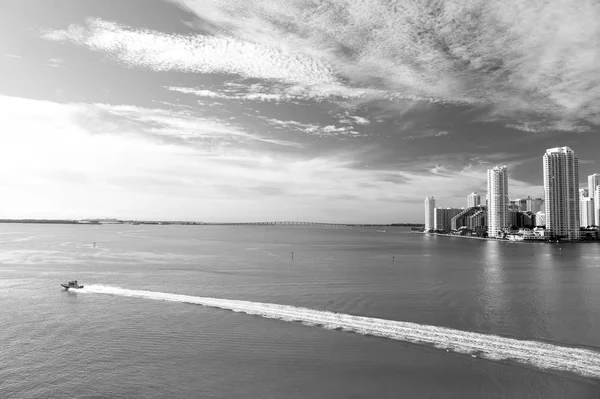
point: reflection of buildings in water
(542, 300)
(567, 277)
(493, 285)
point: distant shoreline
(96, 222)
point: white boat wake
(584, 362)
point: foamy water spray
(546, 356)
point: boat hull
(66, 287)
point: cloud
(183, 127)
(292, 74)
(72, 170)
(12, 56)
(543, 126)
(522, 60)
(313, 129)
(245, 95)
(117, 161)
(54, 62)
(200, 53)
(360, 120)
(426, 133)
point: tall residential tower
(497, 200)
(561, 188)
(597, 205)
(593, 182)
(473, 199)
(429, 213)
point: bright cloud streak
(198, 54)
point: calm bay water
(105, 341)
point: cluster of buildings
(565, 213)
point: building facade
(561, 189)
(429, 213)
(586, 211)
(537, 205)
(497, 201)
(443, 218)
(464, 218)
(520, 219)
(597, 206)
(593, 182)
(473, 199)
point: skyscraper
(593, 182)
(443, 218)
(561, 185)
(473, 199)
(597, 206)
(586, 208)
(586, 211)
(537, 205)
(429, 213)
(497, 200)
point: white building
(473, 199)
(561, 185)
(597, 206)
(537, 205)
(593, 182)
(429, 213)
(540, 219)
(497, 200)
(586, 211)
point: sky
(342, 111)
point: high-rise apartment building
(473, 199)
(537, 205)
(429, 213)
(529, 204)
(586, 211)
(463, 218)
(561, 185)
(497, 200)
(443, 218)
(540, 219)
(522, 204)
(597, 206)
(593, 182)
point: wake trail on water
(546, 356)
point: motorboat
(71, 284)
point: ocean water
(226, 312)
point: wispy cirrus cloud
(313, 128)
(9, 55)
(293, 74)
(516, 57)
(172, 126)
(199, 53)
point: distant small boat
(71, 284)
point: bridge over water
(292, 223)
